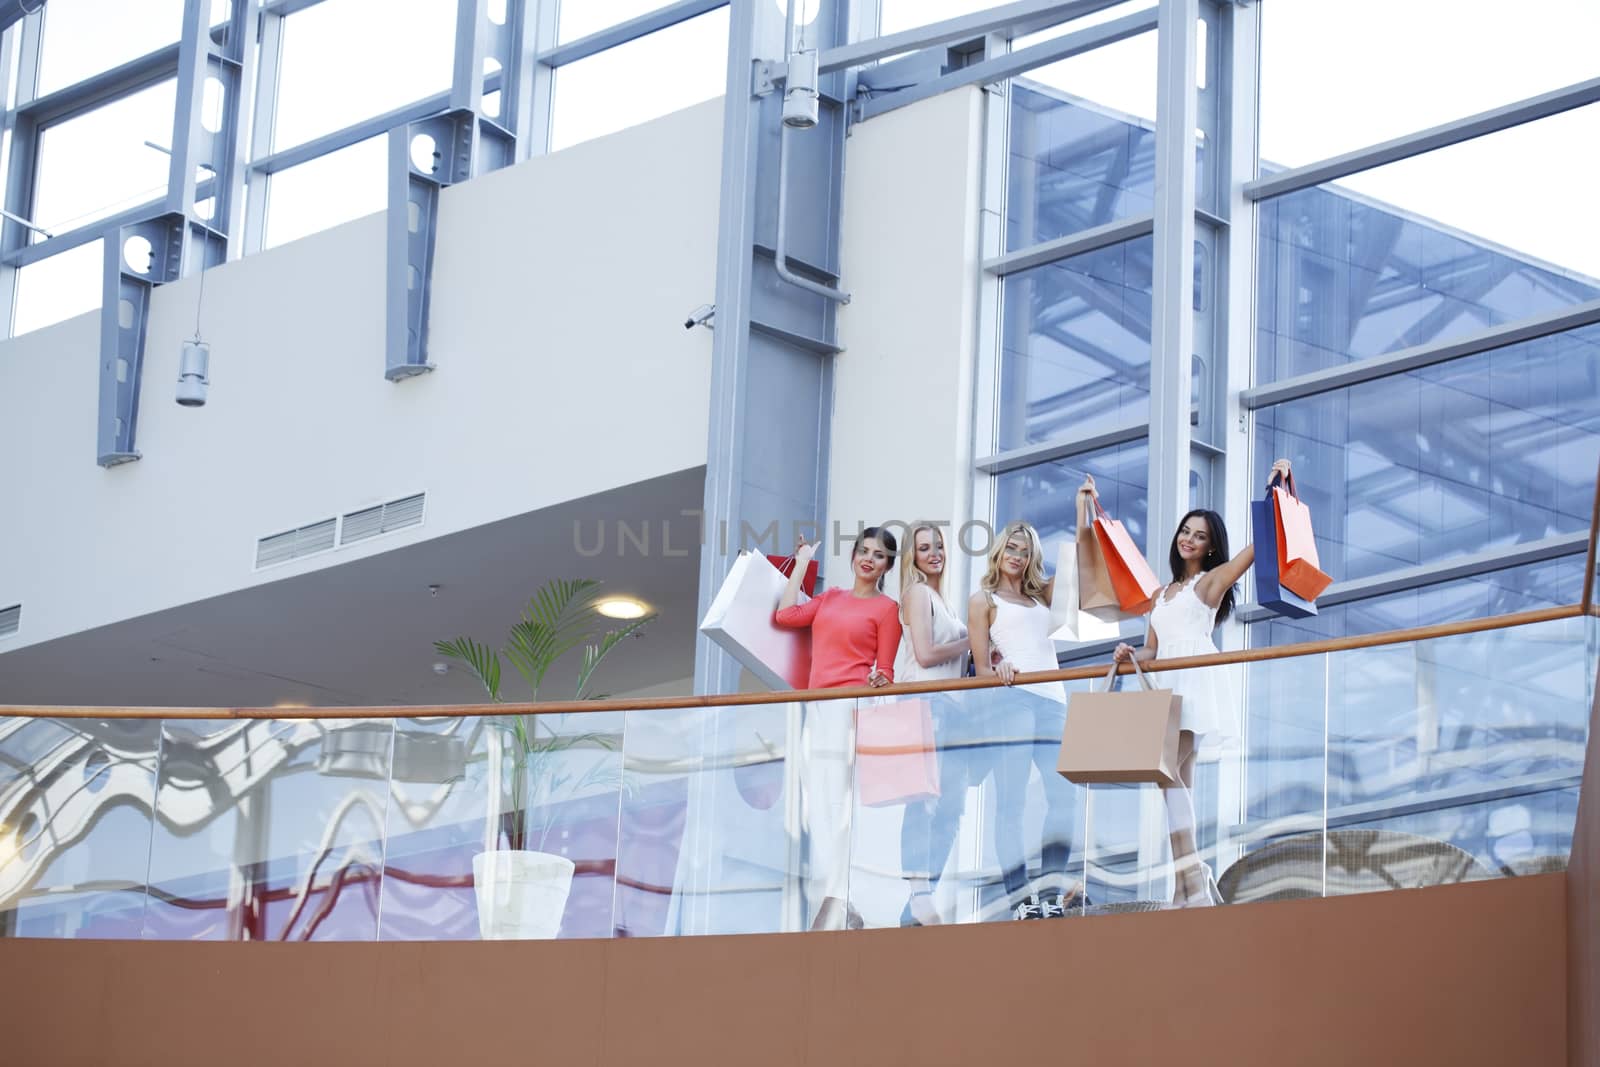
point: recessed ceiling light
(621, 607)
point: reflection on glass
(1076, 355)
(1495, 449)
(1046, 494)
(1445, 760)
(462, 787)
(644, 79)
(1329, 86)
(327, 191)
(60, 287)
(269, 830)
(75, 803)
(1341, 277)
(348, 60)
(84, 37)
(98, 163)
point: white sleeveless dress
(1183, 627)
(1022, 634)
(946, 628)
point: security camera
(700, 316)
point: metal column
(426, 156)
(1172, 272)
(190, 233)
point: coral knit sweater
(848, 635)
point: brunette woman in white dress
(1011, 613)
(1181, 622)
(933, 645)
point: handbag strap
(1111, 676)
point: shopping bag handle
(1288, 484)
(1100, 509)
(1111, 675)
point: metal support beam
(529, 90)
(130, 276)
(1028, 16)
(1077, 445)
(1415, 144)
(188, 234)
(1012, 64)
(1172, 272)
(1425, 355)
(1074, 244)
(425, 156)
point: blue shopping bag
(1264, 531)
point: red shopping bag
(785, 565)
(1136, 584)
(1298, 567)
(896, 760)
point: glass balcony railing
(1354, 769)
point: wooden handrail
(435, 711)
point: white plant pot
(521, 895)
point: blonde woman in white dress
(1010, 614)
(933, 645)
(1182, 619)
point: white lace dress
(1183, 627)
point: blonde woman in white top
(933, 645)
(1011, 614)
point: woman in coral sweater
(855, 634)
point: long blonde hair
(911, 574)
(1033, 583)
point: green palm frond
(593, 654)
(479, 658)
(558, 619)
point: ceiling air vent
(370, 522)
(10, 620)
(293, 544)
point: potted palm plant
(521, 889)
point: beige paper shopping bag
(1121, 737)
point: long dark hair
(1216, 555)
(884, 538)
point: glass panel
(1548, 584)
(348, 60)
(538, 784)
(897, 15)
(270, 830)
(327, 191)
(1384, 69)
(1483, 748)
(84, 37)
(1489, 450)
(1076, 355)
(98, 164)
(1343, 276)
(1119, 78)
(1073, 166)
(644, 79)
(75, 826)
(1046, 494)
(59, 288)
(591, 16)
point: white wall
(560, 290)
(903, 417)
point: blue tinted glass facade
(1076, 351)
(1342, 278)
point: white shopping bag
(1068, 622)
(740, 620)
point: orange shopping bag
(1298, 567)
(1136, 584)
(896, 761)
